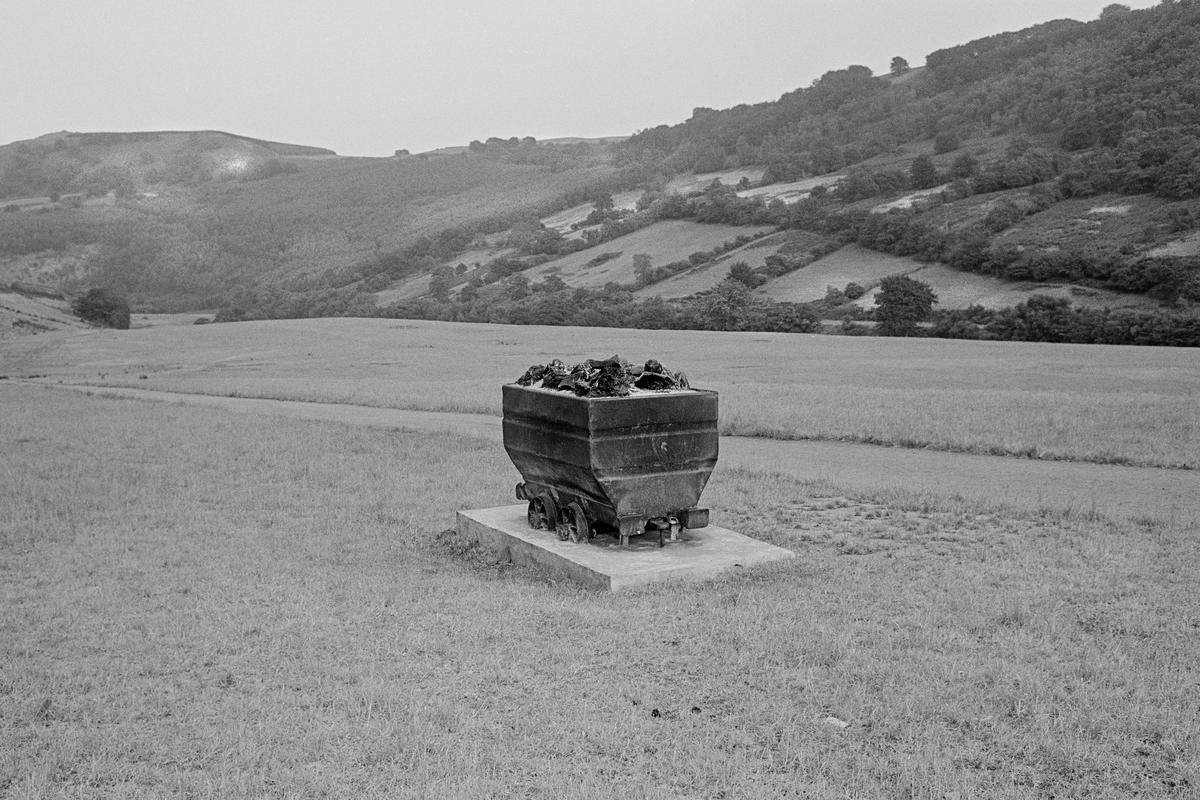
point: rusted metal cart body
(622, 464)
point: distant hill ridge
(112, 137)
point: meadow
(1121, 405)
(664, 242)
(206, 605)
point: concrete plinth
(603, 563)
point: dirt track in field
(1117, 492)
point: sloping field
(706, 276)
(851, 264)
(908, 200)
(1187, 246)
(405, 289)
(683, 184)
(792, 191)
(1142, 221)
(954, 288)
(563, 220)
(479, 256)
(21, 314)
(697, 279)
(664, 242)
(957, 289)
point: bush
(102, 307)
(945, 142)
(901, 303)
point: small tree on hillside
(923, 174)
(1115, 11)
(965, 166)
(901, 303)
(743, 274)
(643, 269)
(900, 65)
(945, 142)
(102, 307)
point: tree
(743, 274)
(725, 305)
(900, 65)
(102, 307)
(965, 166)
(440, 282)
(901, 303)
(643, 269)
(1115, 11)
(923, 174)
(945, 142)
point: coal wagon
(620, 465)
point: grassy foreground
(1127, 405)
(200, 604)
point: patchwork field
(954, 288)
(792, 191)
(664, 242)
(563, 220)
(850, 264)
(957, 289)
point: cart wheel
(577, 525)
(537, 519)
(543, 513)
(549, 510)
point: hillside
(26, 312)
(1057, 166)
(1061, 160)
(194, 220)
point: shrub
(102, 307)
(901, 303)
(945, 142)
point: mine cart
(620, 465)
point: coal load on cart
(610, 447)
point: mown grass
(200, 604)
(1124, 405)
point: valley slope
(1060, 162)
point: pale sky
(366, 77)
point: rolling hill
(1061, 160)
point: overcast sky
(366, 77)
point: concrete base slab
(603, 563)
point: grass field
(792, 191)
(199, 604)
(20, 313)
(1133, 405)
(664, 242)
(954, 288)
